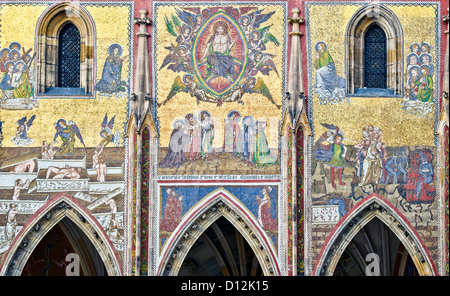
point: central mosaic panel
(220, 79)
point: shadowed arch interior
(221, 251)
(217, 204)
(49, 256)
(375, 238)
(373, 207)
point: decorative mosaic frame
(129, 75)
(310, 111)
(282, 236)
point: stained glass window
(375, 58)
(69, 57)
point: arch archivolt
(33, 232)
(217, 204)
(373, 207)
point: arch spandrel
(60, 207)
(373, 206)
(219, 203)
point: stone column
(141, 105)
(294, 106)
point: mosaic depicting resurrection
(220, 60)
(63, 145)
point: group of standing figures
(192, 139)
(247, 141)
(413, 171)
(420, 73)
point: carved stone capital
(295, 20)
(142, 21)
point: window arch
(69, 57)
(369, 30)
(61, 28)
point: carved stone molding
(34, 234)
(357, 222)
(197, 227)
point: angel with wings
(253, 20)
(21, 138)
(261, 62)
(178, 59)
(183, 32)
(106, 132)
(194, 20)
(250, 85)
(67, 133)
(190, 86)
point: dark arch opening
(49, 256)
(375, 237)
(221, 251)
(375, 58)
(69, 54)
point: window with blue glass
(69, 50)
(375, 58)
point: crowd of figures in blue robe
(16, 78)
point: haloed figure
(265, 218)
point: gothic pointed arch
(59, 207)
(373, 206)
(365, 20)
(219, 203)
(48, 34)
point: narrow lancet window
(375, 58)
(69, 57)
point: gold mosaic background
(18, 24)
(255, 104)
(418, 23)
